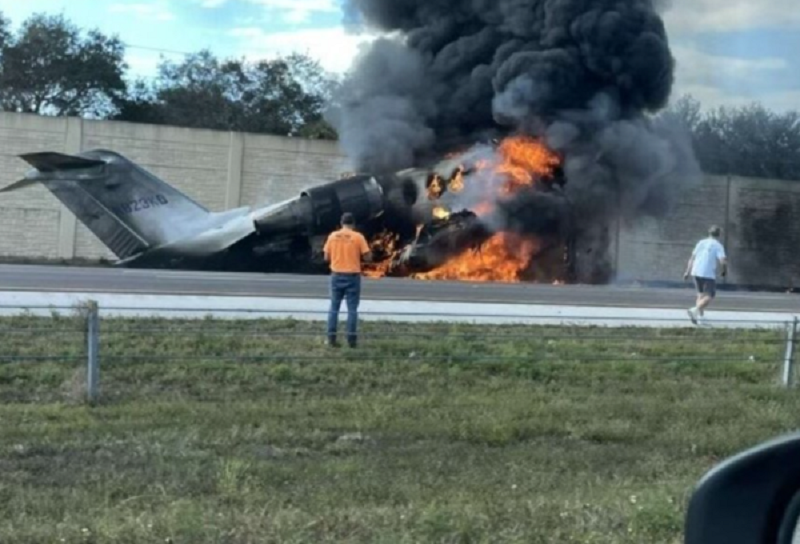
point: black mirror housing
(750, 498)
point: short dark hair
(348, 219)
(715, 231)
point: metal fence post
(788, 360)
(92, 345)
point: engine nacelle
(318, 211)
(360, 195)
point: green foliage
(50, 68)
(283, 96)
(748, 140)
(4, 35)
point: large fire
(519, 162)
(504, 257)
(524, 161)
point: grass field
(435, 433)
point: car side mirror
(750, 498)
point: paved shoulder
(116, 280)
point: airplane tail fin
(129, 209)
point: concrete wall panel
(275, 169)
(657, 250)
(197, 167)
(764, 232)
(29, 232)
(29, 219)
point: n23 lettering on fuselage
(141, 204)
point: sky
(729, 52)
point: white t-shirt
(707, 255)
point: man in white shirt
(708, 254)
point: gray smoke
(586, 75)
(387, 104)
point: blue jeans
(344, 286)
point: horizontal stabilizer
(49, 161)
(21, 184)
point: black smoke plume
(586, 75)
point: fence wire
(157, 345)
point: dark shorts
(706, 286)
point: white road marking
(442, 299)
(256, 307)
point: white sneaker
(692, 315)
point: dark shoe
(352, 343)
(333, 344)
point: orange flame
(435, 188)
(524, 161)
(385, 246)
(456, 185)
(519, 163)
(504, 258)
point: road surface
(207, 284)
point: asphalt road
(114, 280)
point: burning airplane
(468, 225)
(449, 221)
(500, 141)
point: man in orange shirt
(344, 250)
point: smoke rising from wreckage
(584, 76)
(499, 140)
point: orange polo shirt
(344, 249)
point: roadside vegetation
(238, 432)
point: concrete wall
(32, 222)
(222, 170)
(218, 169)
(761, 222)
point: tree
(748, 141)
(282, 96)
(140, 105)
(686, 111)
(4, 36)
(49, 68)
(4, 33)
